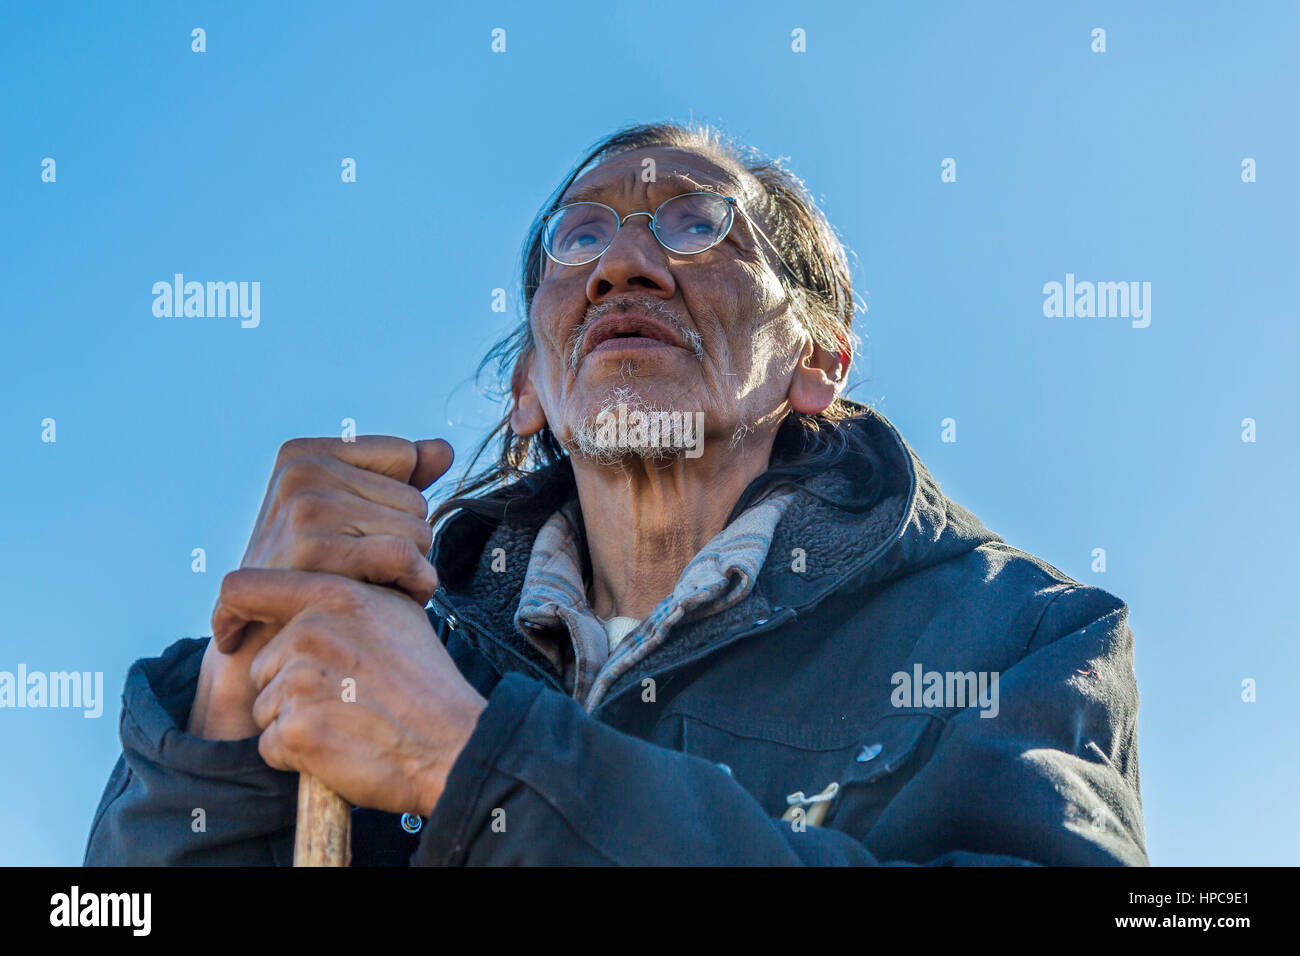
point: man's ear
(526, 415)
(818, 378)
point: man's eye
(581, 235)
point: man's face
(720, 337)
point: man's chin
(612, 456)
(635, 424)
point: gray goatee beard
(589, 441)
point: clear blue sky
(1072, 434)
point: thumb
(433, 458)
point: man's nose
(634, 261)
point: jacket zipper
(448, 614)
(778, 619)
(475, 633)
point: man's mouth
(627, 331)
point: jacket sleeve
(1052, 779)
(177, 799)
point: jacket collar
(818, 549)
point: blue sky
(1072, 434)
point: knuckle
(310, 553)
(299, 473)
(424, 538)
(414, 553)
(401, 553)
(405, 559)
(306, 509)
(416, 575)
(414, 502)
(268, 746)
(259, 672)
(310, 638)
(232, 581)
(418, 533)
(227, 587)
(408, 454)
(262, 710)
(343, 594)
(420, 568)
(294, 732)
(294, 448)
(301, 679)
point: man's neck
(646, 520)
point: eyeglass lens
(686, 224)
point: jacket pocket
(765, 759)
(882, 763)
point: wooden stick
(323, 836)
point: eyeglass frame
(733, 208)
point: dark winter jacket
(723, 745)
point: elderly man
(699, 609)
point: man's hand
(349, 508)
(355, 688)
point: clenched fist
(348, 508)
(354, 689)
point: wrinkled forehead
(658, 172)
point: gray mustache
(651, 307)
